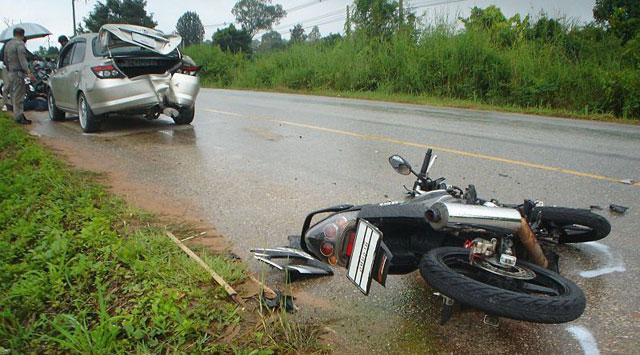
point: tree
(45, 52)
(297, 34)
(621, 16)
(233, 40)
(270, 42)
(190, 28)
(52, 51)
(314, 35)
(119, 11)
(331, 39)
(375, 17)
(484, 19)
(257, 15)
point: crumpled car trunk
(115, 34)
(136, 66)
(138, 50)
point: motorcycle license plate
(142, 39)
(365, 249)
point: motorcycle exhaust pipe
(460, 216)
(497, 219)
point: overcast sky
(56, 14)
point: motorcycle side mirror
(400, 165)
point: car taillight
(188, 70)
(107, 72)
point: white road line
(612, 264)
(585, 338)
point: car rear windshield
(125, 49)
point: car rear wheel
(55, 114)
(185, 116)
(88, 120)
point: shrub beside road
(545, 65)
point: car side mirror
(400, 165)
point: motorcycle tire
(447, 269)
(576, 225)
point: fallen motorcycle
(479, 253)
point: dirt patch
(179, 212)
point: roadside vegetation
(534, 64)
(83, 272)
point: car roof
(87, 36)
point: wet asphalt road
(254, 164)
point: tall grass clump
(540, 63)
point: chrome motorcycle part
(444, 215)
(482, 247)
(494, 266)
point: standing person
(63, 40)
(5, 82)
(15, 57)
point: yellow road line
(420, 145)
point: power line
(428, 4)
(219, 24)
(328, 21)
(291, 9)
(304, 6)
(320, 17)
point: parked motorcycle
(479, 253)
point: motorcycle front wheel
(574, 225)
(546, 298)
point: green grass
(82, 272)
(581, 72)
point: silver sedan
(123, 69)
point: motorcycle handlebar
(425, 163)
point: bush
(217, 66)
(543, 64)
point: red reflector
(352, 239)
(326, 248)
(189, 68)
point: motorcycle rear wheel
(575, 225)
(548, 298)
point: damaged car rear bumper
(143, 92)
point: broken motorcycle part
(309, 266)
(618, 209)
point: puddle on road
(265, 133)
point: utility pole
(401, 14)
(347, 24)
(73, 9)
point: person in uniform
(15, 58)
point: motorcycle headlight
(331, 240)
